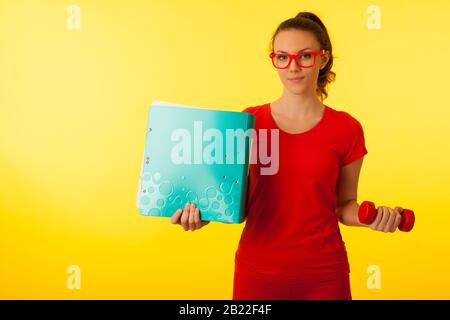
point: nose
(293, 66)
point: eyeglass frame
(295, 55)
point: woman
(291, 246)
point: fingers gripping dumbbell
(367, 213)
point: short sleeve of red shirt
(292, 228)
(355, 146)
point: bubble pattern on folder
(160, 196)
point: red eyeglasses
(304, 59)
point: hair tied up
(311, 16)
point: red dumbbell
(367, 214)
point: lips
(296, 78)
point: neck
(298, 105)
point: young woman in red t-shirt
(291, 246)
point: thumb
(399, 209)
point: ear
(325, 58)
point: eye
(306, 56)
(281, 57)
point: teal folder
(198, 155)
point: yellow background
(73, 115)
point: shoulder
(345, 120)
(255, 110)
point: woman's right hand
(189, 218)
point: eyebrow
(298, 51)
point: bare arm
(347, 206)
(387, 219)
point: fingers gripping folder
(198, 155)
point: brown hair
(308, 21)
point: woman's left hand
(387, 219)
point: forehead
(293, 40)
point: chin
(297, 90)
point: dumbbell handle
(367, 213)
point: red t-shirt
(292, 228)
